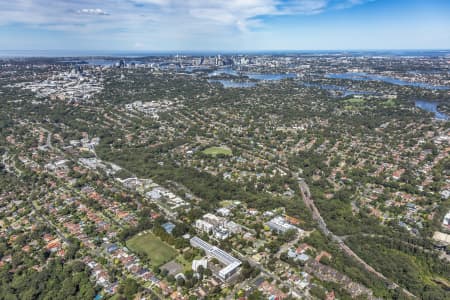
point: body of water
(224, 71)
(228, 83)
(336, 88)
(431, 106)
(100, 61)
(269, 77)
(371, 77)
(255, 76)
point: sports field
(158, 251)
(355, 101)
(217, 150)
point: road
(4, 159)
(49, 139)
(285, 247)
(309, 202)
(94, 253)
(18, 172)
(266, 272)
(10, 167)
(43, 218)
(48, 142)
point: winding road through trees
(309, 202)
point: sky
(223, 25)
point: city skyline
(236, 25)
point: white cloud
(148, 21)
(343, 4)
(92, 12)
(234, 13)
(304, 7)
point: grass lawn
(225, 203)
(218, 150)
(158, 251)
(186, 265)
(355, 101)
(389, 102)
(350, 107)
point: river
(371, 77)
(431, 107)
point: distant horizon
(48, 53)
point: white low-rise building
(224, 212)
(213, 219)
(204, 226)
(221, 233)
(196, 263)
(280, 225)
(231, 263)
(233, 227)
(446, 221)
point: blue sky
(227, 25)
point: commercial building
(233, 227)
(229, 270)
(280, 225)
(204, 226)
(213, 219)
(221, 233)
(231, 263)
